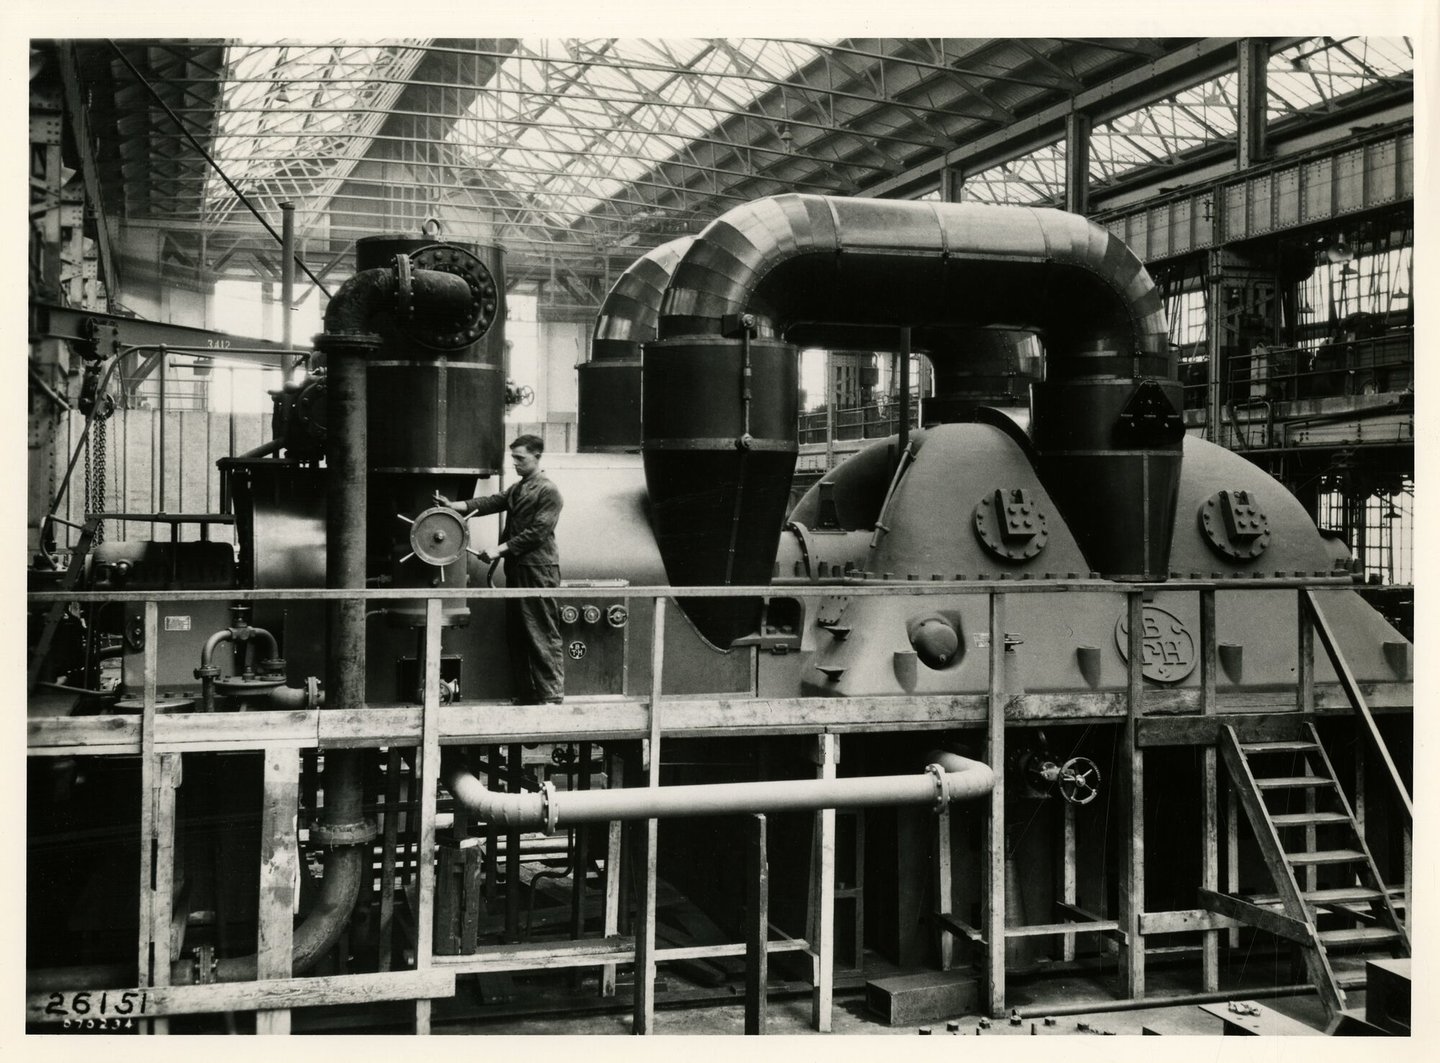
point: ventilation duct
(720, 392)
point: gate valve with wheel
(1077, 780)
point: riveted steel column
(1253, 58)
(1077, 162)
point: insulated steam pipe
(800, 270)
(610, 381)
(948, 777)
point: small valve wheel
(1079, 780)
(438, 536)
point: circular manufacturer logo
(591, 613)
(569, 614)
(1168, 649)
(617, 616)
(577, 650)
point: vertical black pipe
(287, 287)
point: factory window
(1378, 283)
(523, 363)
(1379, 528)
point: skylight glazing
(294, 117)
(1309, 76)
(572, 123)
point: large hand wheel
(1079, 780)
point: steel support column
(1254, 56)
(1077, 162)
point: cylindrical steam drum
(436, 410)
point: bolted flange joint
(361, 343)
(334, 835)
(208, 671)
(942, 786)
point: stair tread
(1359, 936)
(1297, 819)
(1343, 895)
(1325, 856)
(1278, 747)
(1266, 782)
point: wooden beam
(389, 840)
(1209, 792)
(615, 778)
(993, 898)
(1132, 790)
(1069, 886)
(611, 720)
(154, 847)
(154, 1001)
(426, 779)
(1205, 730)
(644, 1006)
(279, 868)
(1266, 919)
(822, 894)
(1189, 919)
(757, 926)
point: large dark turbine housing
(610, 381)
(819, 270)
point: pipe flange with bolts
(334, 835)
(942, 786)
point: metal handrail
(849, 586)
(1356, 699)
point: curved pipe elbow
(630, 314)
(937, 264)
(268, 639)
(349, 310)
(508, 811)
(207, 652)
(965, 779)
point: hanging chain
(101, 475)
(95, 475)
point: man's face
(524, 461)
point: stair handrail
(1357, 701)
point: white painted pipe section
(947, 778)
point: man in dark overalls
(527, 544)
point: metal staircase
(1330, 899)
